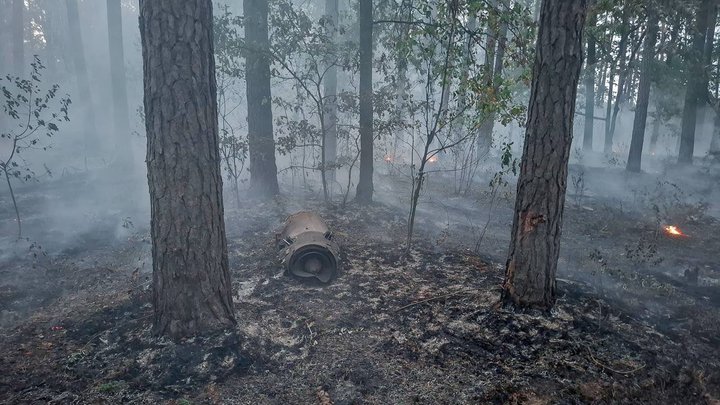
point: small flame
(433, 159)
(673, 230)
(388, 159)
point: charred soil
(392, 328)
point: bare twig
(624, 372)
(439, 297)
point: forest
(359, 202)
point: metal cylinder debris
(307, 248)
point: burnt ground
(628, 327)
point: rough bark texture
(191, 280)
(81, 75)
(18, 36)
(641, 108)
(330, 99)
(590, 90)
(535, 239)
(364, 192)
(263, 170)
(695, 84)
(121, 118)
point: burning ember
(673, 230)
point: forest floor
(628, 327)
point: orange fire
(388, 159)
(673, 230)
(433, 159)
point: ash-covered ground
(637, 319)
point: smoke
(79, 197)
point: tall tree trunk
(607, 147)
(537, 225)
(497, 75)
(590, 89)
(486, 127)
(261, 143)
(191, 279)
(622, 72)
(641, 109)
(602, 85)
(81, 75)
(364, 192)
(18, 36)
(121, 118)
(695, 84)
(330, 98)
(468, 58)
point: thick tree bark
(364, 192)
(18, 36)
(191, 279)
(641, 108)
(330, 99)
(535, 238)
(121, 118)
(81, 75)
(590, 90)
(695, 84)
(263, 170)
